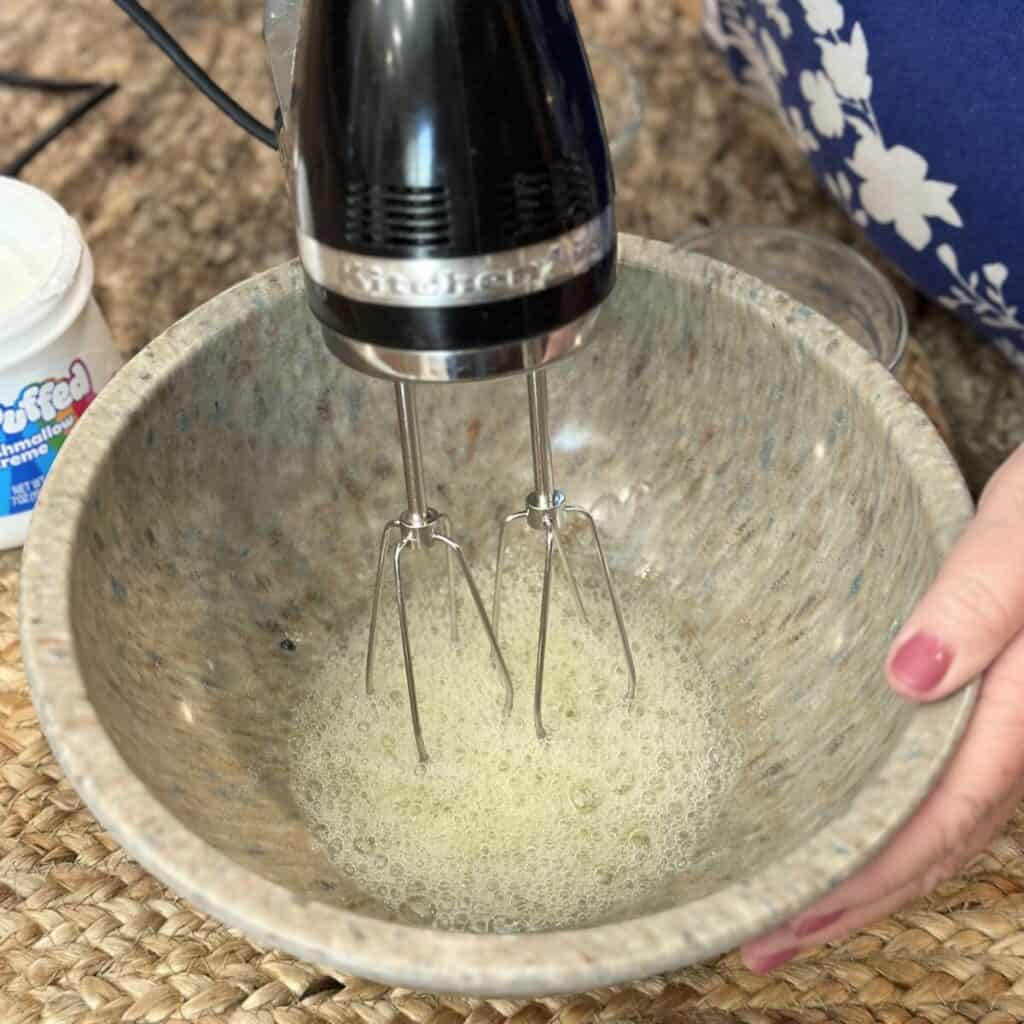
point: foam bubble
(502, 832)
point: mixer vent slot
(383, 215)
(536, 205)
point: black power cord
(195, 74)
(16, 80)
(97, 92)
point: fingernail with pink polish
(921, 663)
(813, 925)
(770, 961)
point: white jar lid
(41, 250)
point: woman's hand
(970, 622)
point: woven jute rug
(176, 207)
(88, 937)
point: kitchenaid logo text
(45, 402)
(459, 281)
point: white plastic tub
(56, 351)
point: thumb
(976, 606)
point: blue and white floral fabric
(912, 113)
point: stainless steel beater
(546, 510)
(421, 526)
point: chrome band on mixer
(393, 363)
(460, 281)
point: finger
(819, 925)
(976, 605)
(979, 789)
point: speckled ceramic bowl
(212, 521)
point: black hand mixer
(453, 198)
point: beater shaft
(412, 454)
(547, 510)
(545, 494)
(540, 435)
(420, 526)
(415, 484)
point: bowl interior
(227, 546)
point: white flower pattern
(801, 134)
(846, 65)
(773, 53)
(892, 186)
(981, 292)
(896, 190)
(825, 107)
(839, 185)
(731, 29)
(776, 14)
(823, 16)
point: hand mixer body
(454, 205)
(452, 185)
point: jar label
(32, 430)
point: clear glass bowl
(622, 99)
(820, 272)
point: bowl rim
(537, 964)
